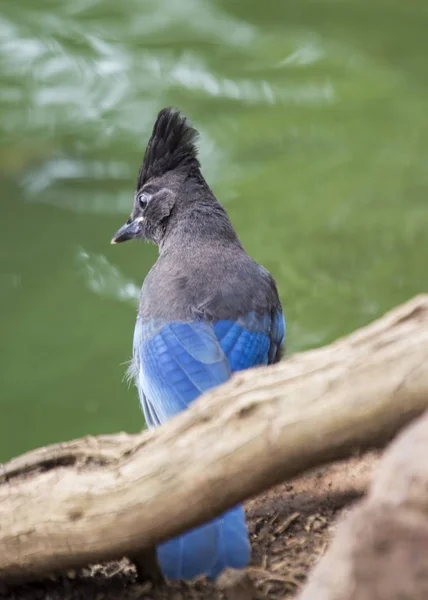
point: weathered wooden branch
(380, 549)
(101, 498)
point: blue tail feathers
(209, 549)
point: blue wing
(251, 340)
(174, 363)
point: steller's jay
(206, 310)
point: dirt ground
(290, 528)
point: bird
(206, 310)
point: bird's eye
(143, 199)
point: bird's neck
(199, 225)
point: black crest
(171, 146)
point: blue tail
(217, 545)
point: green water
(314, 134)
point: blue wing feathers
(174, 363)
(198, 340)
(178, 364)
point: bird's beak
(128, 231)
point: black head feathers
(171, 146)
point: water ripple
(87, 85)
(191, 74)
(104, 279)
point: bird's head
(170, 158)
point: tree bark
(380, 550)
(102, 498)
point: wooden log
(380, 550)
(102, 498)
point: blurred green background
(313, 118)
